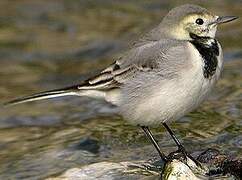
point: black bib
(209, 50)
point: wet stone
(214, 165)
(88, 144)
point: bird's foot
(188, 156)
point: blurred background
(53, 43)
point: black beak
(224, 19)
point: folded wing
(139, 59)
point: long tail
(69, 91)
(93, 87)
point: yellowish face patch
(189, 24)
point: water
(51, 44)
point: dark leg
(180, 146)
(154, 142)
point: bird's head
(186, 20)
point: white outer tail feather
(70, 91)
(40, 96)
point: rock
(180, 167)
(211, 164)
(108, 171)
(178, 170)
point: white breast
(176, 97)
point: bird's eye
(199, 21)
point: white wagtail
(166, 74)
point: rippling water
(51, 44)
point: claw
(187, 155)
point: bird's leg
(154, 142)
(180, 146)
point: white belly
(171, 99)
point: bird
(167, 73)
